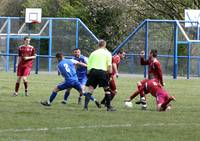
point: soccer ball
(128, 104)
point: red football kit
(154, 70)
(24, 66)
(115, 59)
(156, 90)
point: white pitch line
(99, 126)
(65, 128)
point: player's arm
(78, 63)
(159, 72)
(142, 60)
(18, 60)
(33, 55)
(19, 57)
(30, 57)
(114, 66)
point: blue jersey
(81, 70)
(67, 69)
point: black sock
(87, 99)
(103, 100)
(108, 99)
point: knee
(139, 84)
(56, 90)
(107, 90)
(159, 108)
(24, 79)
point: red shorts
(161, 97)
(23, 71)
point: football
(128, 104)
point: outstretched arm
(142, 60)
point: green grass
(24, 119)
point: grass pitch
(24, 119)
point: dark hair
(76, 49)
(59, 55)
(102, 43)
(120, 51)
(154, 52)
(26, 37)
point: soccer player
(26, 54)
(154, 69)
(115, 65)
(66, 67)
(81, 72)
(156, 89)
(99, 66)
(154, 72)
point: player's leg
(53, 95)
(136, 93)
(66, 95)
(51, 98)
(26, 73)
(113, 90)
(104, 82)
(91, 83)
(20, 72)
(142, 91)
(17, 84)
(82, 82)
(163, 100)
(88, 95)
(165, 104)
(25, 80)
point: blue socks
(52, 97)
(66, 95)
(91, 97)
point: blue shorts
(70, 84)
(83, 80)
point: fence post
(37, 59)
(131, 65)
(198, 68)
(146, 46)
(14, 63)
(50, 46)
(77, 33)
(188, 60)
(175, 68)
(8, 45)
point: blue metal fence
(171, 33)
(59, 35)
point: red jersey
(154, 70)
(153, 87)
(25, 51)
(115, 60)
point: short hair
(120, 51)
(76, 49)
(102, 43)
(154, 52)
(59, 55)
(26, 37)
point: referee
(99, 67)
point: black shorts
(97, 77)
